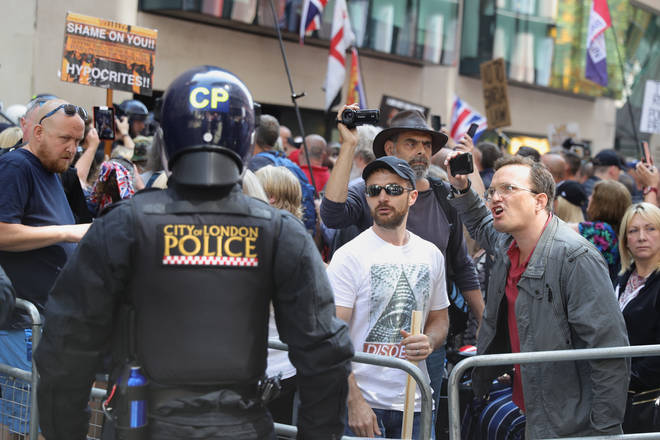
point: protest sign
(496, 101)
(650, 120)
(107, 54)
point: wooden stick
(411, 385)
(107, 144)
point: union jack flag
(310, 19)
(462, 116)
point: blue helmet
(134, 109)
(206, 111)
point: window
(420, 29)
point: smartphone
(436, 122)
(472, 130)
(104, 122)
(647, 153)
(461, 164)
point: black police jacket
(200, 273)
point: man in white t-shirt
(378, 279)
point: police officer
(137, 114)
(193, 269)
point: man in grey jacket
(549, 289)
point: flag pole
(623, 84)
(294, 97)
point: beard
(394, 219)
(420, 165)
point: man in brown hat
(431, 217)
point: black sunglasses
(391, 189)
(69, 110)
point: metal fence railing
(18, 398)
(536, 357)
(426, 415)
(18, 392)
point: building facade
(422, 51)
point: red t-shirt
(293, 157)
(321, 175)
(511, 290)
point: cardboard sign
(390, 106)
(496, 100)
(108, 54)
(650, 120)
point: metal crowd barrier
(24, 385)
(18, 396)
(537, 357)
(383, 361)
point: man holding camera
(431, 217)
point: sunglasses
(391, 189)
(69, 110)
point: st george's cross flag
(342, 39)
(599, 21)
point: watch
(460, 192)
(648, 189)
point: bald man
(37, 228)
(556, 165)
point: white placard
(650, 121)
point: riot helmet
(208, 121)
(134, 109)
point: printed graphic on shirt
(396, 290)
(209, 245)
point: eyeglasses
(69, 110)
(391, 189)
(504, 190)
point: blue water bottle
(137, 398)
(133, 414)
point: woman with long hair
(607, 205)
(638, 290)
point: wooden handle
(411, 385)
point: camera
(352, 118)
(461, 164)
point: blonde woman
(282, 191)
(638, 291)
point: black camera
(461, 164)
(352, 118)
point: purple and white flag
(599, 21)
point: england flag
(342, 39)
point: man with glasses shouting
(379, 278)
(37, 228)
(549, 289)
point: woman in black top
(638, 290)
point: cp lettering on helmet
(213, 99)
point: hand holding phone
(104, 122)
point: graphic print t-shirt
(383, 284)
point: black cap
(573, 192)
(608, 158)
(398, 166)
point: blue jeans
(390, 423)
(435, 365)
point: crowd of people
(548, 251)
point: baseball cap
(392, 163)
(573, 192)
(607, 158)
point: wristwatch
(460, 192)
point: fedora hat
(408, 120)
